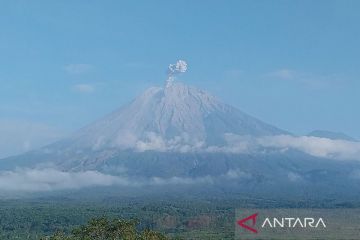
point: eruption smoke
(179, 67)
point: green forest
(103, 228)
(113, 218)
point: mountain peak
(170, 118)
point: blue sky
(63, 64)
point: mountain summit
(174, 117)
(180, 134)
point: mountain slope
(176, 118)
(331, 135)
(180, 134)
(170, 118)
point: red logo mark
(247, 227)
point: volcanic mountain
(183, 132)
(170, 119)
(175, 119)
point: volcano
(178, 131)
(176, 121)
(173, 118)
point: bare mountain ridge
(170, 118)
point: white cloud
(20, 136)
(50, 179)
(180, 180)
(84, 88)
(309, 80)
(153, 141)
(316, 146)
(35, 180)
(78, 68)
(285, 74)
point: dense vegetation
(22, 219)
(177, 218)
(105, 229)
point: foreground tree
(104, 229)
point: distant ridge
(331, 135)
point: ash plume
(174, 69)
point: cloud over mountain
(179, 134)
(50, 179)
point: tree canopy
(105, 229)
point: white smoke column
(179, 67)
